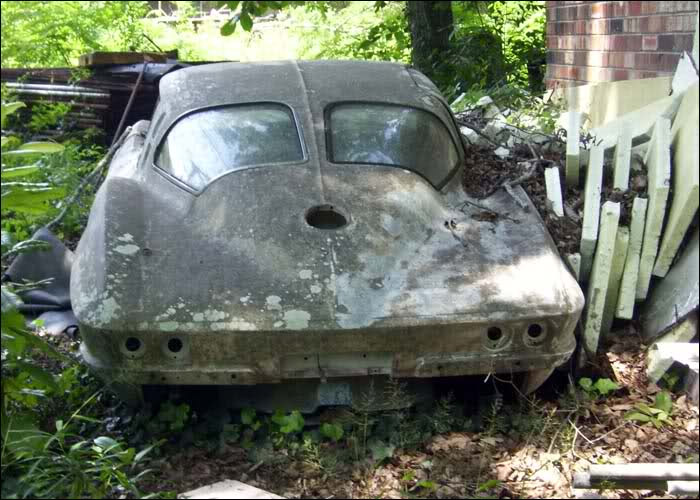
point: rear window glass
(392, 135)
(208, 143)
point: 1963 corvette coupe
(290, 230)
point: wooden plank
(622, 159)
(228, 489)
(618, 266)
(683, 332)
(628, 287)
(600, 276)
(658, 162)
(685, 144)
(553, 185)
(591, 210)
(108, 58)
(573, 138)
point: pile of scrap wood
(618, 191)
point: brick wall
(606, 41)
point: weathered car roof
(304, 85)
(199, 86)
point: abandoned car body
(304, 222)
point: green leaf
(23, 434)
(13, 173)
(644, 408)
(36, 342)
(380, 450)
(639, 417)
(9, 301)
(586, 384)
(488, 485)
(8, 109)
(294, 422)
(40, 147)
(40, 376)
(106, 443)
(29, 199)
(663, 402)
(127, 456)
(247, 416)
(12, 321)
(228, 28)
(141, 454)
(605, 385)
(246, 21)
(77, 446)
(332, 431)
(428, 485)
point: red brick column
(607, 41)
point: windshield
(392, 135)
(208, 143)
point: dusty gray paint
(237, 274)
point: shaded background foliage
(462, 45)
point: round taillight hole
(175, 345)
(494, 333)
(132, 344)
(534, 330)
(325, 217)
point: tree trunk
(431, 25)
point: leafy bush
(48, 176)
(494, 44)
(359, 30)
(36, 34)
(35, 462)
(601, 387)
(64, 465)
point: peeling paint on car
(127, 238)
(273, 302)
(236, 324)
(168, 326)
(108, 310)
(297, 320)
(214, 315)
(127, 249)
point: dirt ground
(566, 435)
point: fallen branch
(486, 209)
(88, 178)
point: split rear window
(386, 134)
(209, 143)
